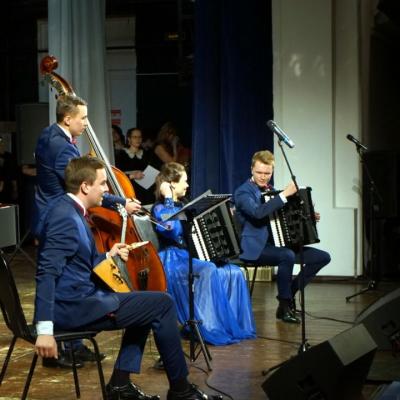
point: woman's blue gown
(221, 296)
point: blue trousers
(284, 258)
(137, 314)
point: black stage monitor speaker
(31, 119)
(9, 234)
(388, 392)
(333, 370)
(382, 319)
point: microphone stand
(375, 201)
(192, 323)
(304, 345)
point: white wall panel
(316, 102)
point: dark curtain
(232, 91)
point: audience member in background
(118, 139)
(8, 175)
(148, 142)
(133, 160)
(221, 296)
(169, 148)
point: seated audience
(168, 147)
(133, 160)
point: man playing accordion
(257, 243)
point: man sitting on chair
(256, 242)
(68, 298)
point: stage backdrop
(317, 78)
(232, 91)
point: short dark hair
(68, 104)
(80, 170)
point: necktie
(74, 141)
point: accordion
(294, 224)
(213, 234)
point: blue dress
(221, 296)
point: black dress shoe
(83, 354)
(61, 362)
(127, 392)
(286, 315)
(192, 393)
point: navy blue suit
(67, 295)
(252, 215)
(53, 152)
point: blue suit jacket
(53, 152)
(65, 293)
(252, 215)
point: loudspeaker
(31, 119)
(382, 320)
(9, 235)
(335, 369)
(384, 168)
(388, 392)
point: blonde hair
(263, 156)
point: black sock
(284, 303)
(119, 378)
(180, 385)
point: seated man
(67, 297)
(256, 242)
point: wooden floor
(236, 368)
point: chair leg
(7, 359)
(246, 272)
(99, 368)
(75, 372)
(29, 378)
(253, 281)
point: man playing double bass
(55, 148)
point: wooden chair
(14, 318)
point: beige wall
(318, 92)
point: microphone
(279, 132)
(356, 142)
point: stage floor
(237, 369)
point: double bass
(144, 266)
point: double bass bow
(106, 223)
